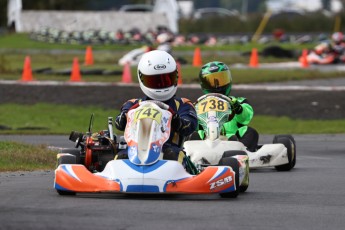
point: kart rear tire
(231, 153)
(233, 163)
(289, 142)
(73, 151)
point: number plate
(212, 104)
(148, 112)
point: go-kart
(213, 111)
(320, 59)
(93, 169)
(323, 54)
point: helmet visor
(159, 81)
(216, 80)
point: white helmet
(338, 37)
(157, 75)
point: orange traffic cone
(303, 59)
(254, 60)
(126, 73)
(88, 56)
(179, 80)
(75, 73)
(27, 72)
(197, 57)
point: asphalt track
(311, 196)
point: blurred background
(199, 16)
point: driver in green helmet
(215, 77)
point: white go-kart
(213, 111)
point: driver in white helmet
(158, 77)
(338, 46)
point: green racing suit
(238, 122)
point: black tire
(65, 193)
(67, 159)
(289, 142)
(73, 151)
(233, 163)
(231, 153)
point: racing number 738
(212, 104)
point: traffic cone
(75, 73)
(179, 80)
(126, 73)
(27, 72)
(197, 57)
(254, 59)
(88, 56)
(303, 59)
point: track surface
(311, 196)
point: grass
(62, 119)
(20, 41)
(15, 47)
(11, 68)
(286, 125)
(56, 119)
(24, 157)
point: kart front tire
(73, 151)
(230, 153)
(233, 163)
(67, 159)
(289, 142)
(65, 193)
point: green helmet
(215, 77)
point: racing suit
(339, 50)
(186, 123)
(237, 126)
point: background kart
(213, 111)
(148, 128)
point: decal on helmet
(160, 67)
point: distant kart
(213, 111)
(323, 59)
(324, 53)
(92, 169)
(133, 57)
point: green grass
(15, 47)
(19, 41)
(62, 119)
(24, 157)
(51, 119)
(286, 125)
(11, 69)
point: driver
(215, 77)
(158, 77)
(338, 45)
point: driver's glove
(176, 122)
(121, 120)
(236, 105)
